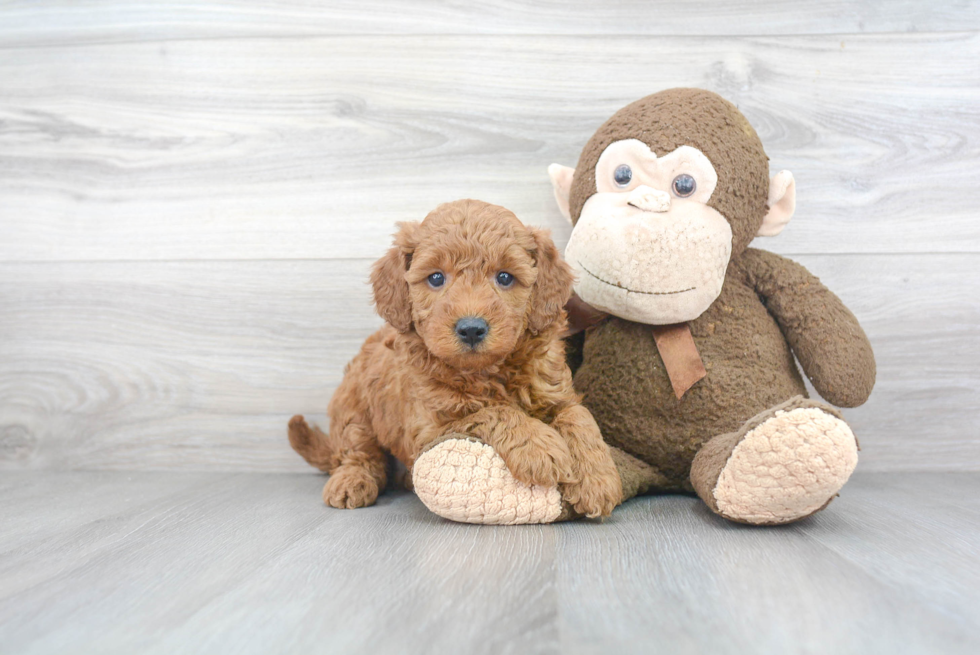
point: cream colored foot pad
(467, 481)
(788, 467)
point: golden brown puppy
(473, 302)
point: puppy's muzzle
(471, 330)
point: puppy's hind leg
(355, 461)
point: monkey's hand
(825, 336)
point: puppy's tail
(312, 444)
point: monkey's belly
(750, 368)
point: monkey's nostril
(471, 330)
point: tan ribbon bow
(680, 354)
(674, 342)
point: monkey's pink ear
(782, 204)
(561, 180)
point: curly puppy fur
(416, 379)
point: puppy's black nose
(471, 331)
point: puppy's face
(472, 280)
(469, 295)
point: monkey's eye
(683, 185)
(505, 279)
(436, 280)
(622, 175)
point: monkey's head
(666, 193)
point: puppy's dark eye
(505, 279)
(436, 280)
(622, 175)
(684, 185)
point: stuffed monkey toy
(683, 337)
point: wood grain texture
(285, 148)
(30, 23)
(190, 195)
(198, 365)
(249, 563)
(731, 588)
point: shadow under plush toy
(687, 356)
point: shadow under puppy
(473, 301)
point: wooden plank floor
(168, 562)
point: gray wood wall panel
(29, 23)
(198, 365)
(190, 196)
(310, 148)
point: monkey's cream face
(646, 246)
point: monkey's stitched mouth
(628, 290)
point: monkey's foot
(462, 479)
(783, 465)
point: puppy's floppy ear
(553, 287)
(388, 279)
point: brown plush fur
(769, 309)
(414, 380)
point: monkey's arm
(823, 333)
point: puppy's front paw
(597, 494)
(542, 460)
(350, 487)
